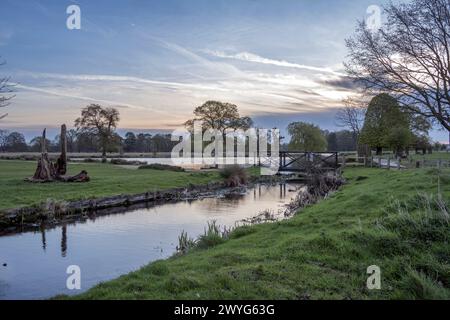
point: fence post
(439, 164)
(343, 161)
(398, 163)
(365, 161)
(371, 161)
(389, 163)
(379, 163)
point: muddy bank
(55, 212)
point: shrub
(126, 162)
(159, 166)
(234, 175)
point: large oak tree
(99, 122)
(219, 116)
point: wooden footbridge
(299, 161)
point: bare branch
(408, 58)
(352, 115)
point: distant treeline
(85, 142)
(133, 142)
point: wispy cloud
(251, 57)
(115, 78)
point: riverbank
(106, 180)
(322, 252)
(25, 205)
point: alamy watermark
(73, 281)
(216, 147)
(374, 280)
(73, 21)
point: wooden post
(371, 161)
(379, 163)
(398, 163)
(389, 163)
(343, 161)
(365, 161)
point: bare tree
(409, 57)
(5, 92)
(351, 116)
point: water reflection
(107, 246)
(43, 239)
(64, 241)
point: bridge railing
(294, 161)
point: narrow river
(33, 265)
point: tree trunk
(61, 164)
(45, 170)
(363, 150)
(379, 151)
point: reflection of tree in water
(43, 238)
(282, 190)
(218, 204)
(64, 241)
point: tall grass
(213, 235)
(421, 219)
(421, 222)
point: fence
(392, 163)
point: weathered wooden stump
(48, 171)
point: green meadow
(391, 219)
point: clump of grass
(213, 236)
(421, 219)
(159, 166)
(421, 286)
(234, 175)
(185, 243)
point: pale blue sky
(158, 60)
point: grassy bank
(106, 180)
(323, 252)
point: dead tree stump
(48, 171)
(61, 163)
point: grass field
(106, 180)
(321, 253)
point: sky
(278, 61)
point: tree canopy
(219, 116)
(385, 124)
(99, 122)
(306, 137)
